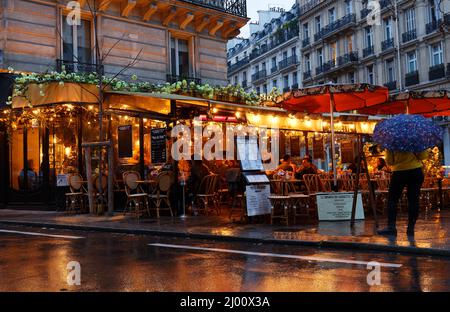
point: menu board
(249, 153)
(125, 138)
(158, 145)
(257, 199)
(338, 206)
(347, 151)
(318, 149)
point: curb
(319, 244)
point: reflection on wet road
(118, 262)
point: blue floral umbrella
(407, 133)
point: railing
(294, 86)
(319, 69)
(365, 12)
(409, 35)
(274, 69)
(347, 58)
(433, 26)
(436, 72)
(284, 37)
(306, 42)
(291, 60)
(309, 6)
(235, 7)
(259, 75)
(336, 25)
(368, 51)
(391, 85)
(387, 44)
(412, 78)
(76, 67)
(238, 64)
(175, 78)
(307, 75)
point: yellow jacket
(399, 161)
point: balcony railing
(280, 39)
(294, 86)
(387, 44)
(77, 67)
(175, 78)
(320, 69)
(238, 64)
(347, 58)
(274, 69)
(365, 12)
(391, 85)
(412, 78)
(305, 42)
(368, 51)
(309, 6)
(291, 60)
(307, 75)
(347, 20)
(436, 72)
(409, 35)
(235, 7)
(259, 75)
(433, 26)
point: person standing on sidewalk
(407, 171)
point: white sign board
(338, 206)
(258, 202)
(62, 180)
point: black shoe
(388, 231)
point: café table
(286, 184)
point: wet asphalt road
(119, 262)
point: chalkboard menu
(158, 145)
(125, 138)
(347, 151)
(318, 149)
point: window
(333, 51)
(307, 62)
(274, 62)
(263, 66)
(179, 57)
(411, 61)
(274, 84)
(348, 7)
(319, 57)
(388, 28)
(237, 59)
(318, 24)
(349, 44)
(294, 78)
(236, 80)
(256, 69)
(331, 15)
(436, 54)
(351, 77)
(258, 90)
(370, 77)
(390, 71)
(434, 13)
(285, 55)
(305, 31)
(369, 36)
(77, 42)
(286, 81)
(244, 76)
(410, 17)
(265, 88)
(293, 51)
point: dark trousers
(413, 180)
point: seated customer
(286, 164)
(307, 167)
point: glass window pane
(84, 42)
(67, 40)
(16, 159)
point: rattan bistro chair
(75, 200)
(160, 194)
(207, 195)
(136, 197)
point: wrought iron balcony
(347, 58)
(309, 6)
(368, 51)
(412, 78)
(305, 42)
(77, 67)
(307, 75)
(274, 69)
(433, 26)
(409, 35)
(384, 4)
(294, 86)
(335, 26)
(387, 44)
(238, 64)
(365, 12)
(320, 69)
(175, 78)
(291, 60)
(436, 72)
(259, 75)
(235, 7)
(391, 85)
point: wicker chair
(136, 197)
(160, 194)
(207, 195)
(75, 200)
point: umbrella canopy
(346, 97)
(428, 103)
(407, 133)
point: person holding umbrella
(406, 139)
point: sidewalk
(432, 231)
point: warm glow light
(238, 115)
(308, 123)
(67, 151)
(91, 107)
(214, 110)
